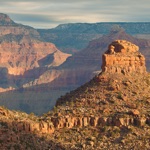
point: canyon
(25, 61)
(34, 72)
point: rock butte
(123, 57)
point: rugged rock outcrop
(123, 57)
(30, 123)
(21, 131)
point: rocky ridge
(19, 130)
(74, 37)
(11, 30)
(5, 20)
(111, 111)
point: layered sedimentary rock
(53, 123)
(20, 57)
(123, 57)
(24, 56)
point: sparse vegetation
(119, 96)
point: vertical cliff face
(123, 57)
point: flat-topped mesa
(123, 57)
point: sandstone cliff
(123, 57)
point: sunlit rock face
(123, 57)
(20, 57)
